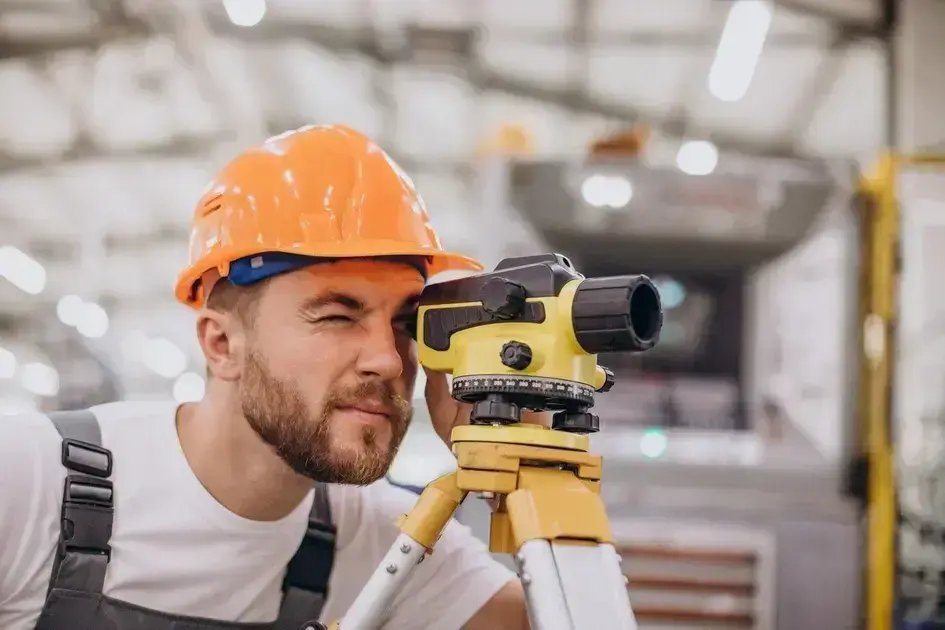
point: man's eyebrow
(332, 298)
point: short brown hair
(226, 297)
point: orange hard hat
(319, 192)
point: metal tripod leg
(574, 587)
(419, 532)
(370, 608)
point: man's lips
(368, 408)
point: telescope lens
(646, 312)
(618, 314)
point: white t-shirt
(177, 550)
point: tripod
(550, 516)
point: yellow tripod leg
(566, 556)
(419, 532)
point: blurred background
(774, 463)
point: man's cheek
(408, 355)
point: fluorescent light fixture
(92, 321)
(22, 271)
(245, 12)
(740, 48)
(69, 309)
(606, 191)
(697, 158)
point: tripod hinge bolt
(405, 548)
(392, 568)
(516, 355)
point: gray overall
(75, 600)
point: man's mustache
(381, 394)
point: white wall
(799, 356)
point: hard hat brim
(188, 283)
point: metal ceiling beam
(85, 150)
(16, 46)
(693, 41)
(849, 27)
(367, 43)
(25, 46)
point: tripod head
(527, 335)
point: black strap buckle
(87, 513)
(86, 458)
(320, 533)
(88, 491)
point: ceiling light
(93, 321)
(69, 309)
(697, 158)
(740, 48)
(245, 12)
(606, 191)
(22, 271)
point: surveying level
(526, 336)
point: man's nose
(379, 356)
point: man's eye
(334, 319)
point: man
(307, 258)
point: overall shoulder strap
(306, 580)
(87, 504)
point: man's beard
(303, 439)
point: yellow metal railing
(880, 221)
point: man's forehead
(364, 269)
(374, 283)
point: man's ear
(223, 341)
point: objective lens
(617, 314)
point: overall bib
(75, 600)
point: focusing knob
(609, 380)
(516, 355)
(502, 299)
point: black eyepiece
(617, 314)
